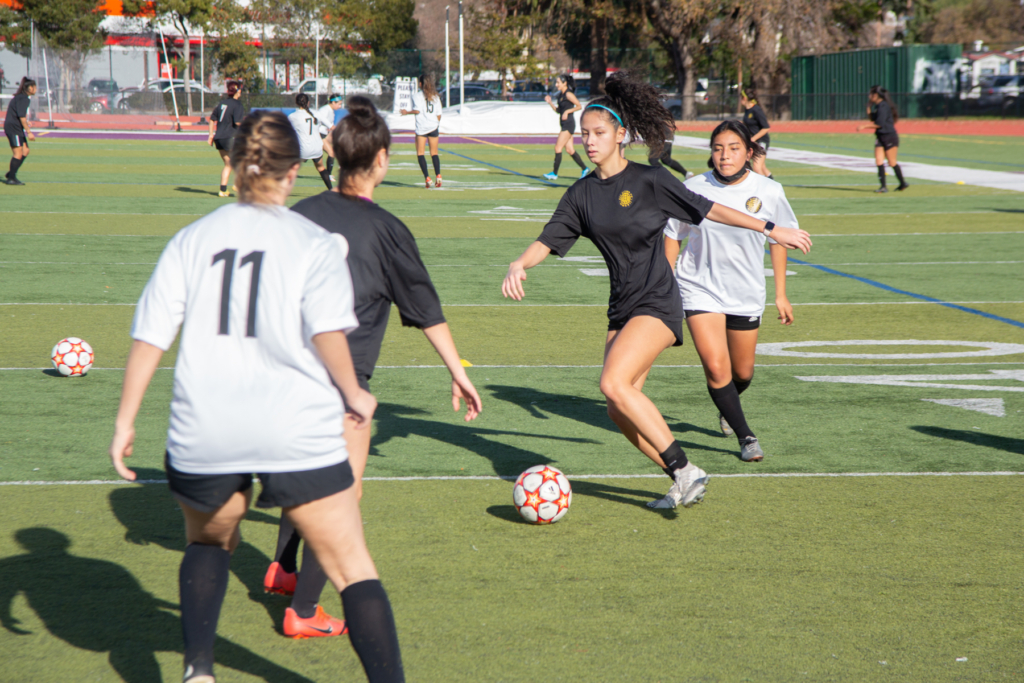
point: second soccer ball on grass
(542, 495)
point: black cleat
(902, 187)
(14, 181)
(881, 190)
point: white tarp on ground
(1000, 180)
(492, 118)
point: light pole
(447, 61)
(462, 67)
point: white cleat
(689, 488)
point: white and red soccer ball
(72, 357)
(542, 495)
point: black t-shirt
(755, 120)
(386, 268)
(882, 117)
(564, 103)
(16, 110)
(228, 114)
(624, 217)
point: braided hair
(635, 106)
(266, 147)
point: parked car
(345, 86)
(1000, 91)
(529, 91)
(474, 93)
(102, 85)
(674, 103)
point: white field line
(517, 305)
(752, 475)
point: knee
(718, 373)
(613, 391)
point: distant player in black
(386, 269)
(665, 158)
(224, 119)
(757, 123)
(887, 142)
(565, 107)
(622, 208)
(17, 129)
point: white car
(343, 86)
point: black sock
(558, 162)
(670, 473)
(330, 165)
(423, 165)
(899, 173)
(15, 165)
(436, 161)
(371, 629)
(674, 457)
(326, 177)
(202, 583)
(675, 165)
(727, 399)
(881, 179)
(579, 162)
(310, 585)
(742, 384)
(223, 188)
(287, 545)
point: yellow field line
(493, 144)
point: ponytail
(570, 82)
(25, 84)
(266, 147)
(358, 139)
(884, 94)
(637, 107)
(302, 101)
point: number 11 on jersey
(228, 257)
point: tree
(232, 56)
(964, 21)
(499, 41)
(71, 28)
(679, 26)
(186, 15)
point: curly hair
(265, 149)
(639, 109)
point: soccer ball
(542, 495)
(72, 357)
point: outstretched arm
(791, 238)
(440, 336)
(143, 360)
(534, 254)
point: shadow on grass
(399, 422)
(617, 494)
(195, 190)
(100, 606)
(1001, 443)
(150, 515)
(507, 513)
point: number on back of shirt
(430, 107)
(310, 122)
(255, 258)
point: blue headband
(601, 106)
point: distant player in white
(426, 105)
(721, 274)
(307, 127)
(326, 115)
(266, 300)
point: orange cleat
(428, 182)
(278, 580)
(319, 625)
(437, 181)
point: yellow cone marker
(465, 363)
(960, 182)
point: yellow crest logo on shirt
(625, 199)
(753, 205)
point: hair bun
(361, 107)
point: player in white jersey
(721, 274)
(266, 300)
(326, 115)
(307, 127)
(426, 105)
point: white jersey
(252, 286)
(311, 145)
(722, 268)
(427, 119)
(325, 115)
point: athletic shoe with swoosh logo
(319, 625)
(278, 580)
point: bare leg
(225, 173)
(742, 345)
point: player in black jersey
(386, 269)
(566, 106)
(17, 129)
(622, 208)
(224, 119)
(757, 123)
(887, 142)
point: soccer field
(879, 540)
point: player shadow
(639, 498)
(195, 190)
(150, 515)
(52, 373)
(1002, 443)
(1008, 210)
(99, 606)
(398, 422)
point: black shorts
(569, 125)
(734, 322)
(676, 326)
(208, 492)
(224, 144)
(765, 142)
(432, 134)
(16, 140)
(887, 140)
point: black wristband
(768, 227)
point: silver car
(1000, 91)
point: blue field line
(922, 297)
(506, 170)
(904, 153)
